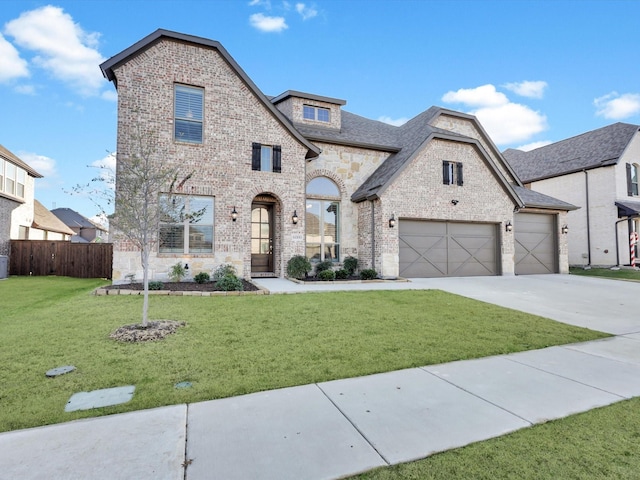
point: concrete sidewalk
(336, 429)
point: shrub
(326, 275)
(177, 272)
(230, 283)
(323, 266)
(298, 267)
(202, 277)
(350, 264)
(131, 277)
(342, 274)
(224, 270)
(368, 274)
(155, 285)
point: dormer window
(318, 114)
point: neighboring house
(295, 174)
(597, 171)
(17, 185)
(45, 226)
(84, 230)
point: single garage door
(447, 249)
(536, 246)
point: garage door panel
(439, 249)
(535, 244)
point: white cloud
(110, 95)
(106, 170)
(397, 122)
(532, 146)
(25, 89)
(268, 24)
(62, 47)
(505, 122)
(11, 65)
(484, 96)
(306, 12)
(257, 3)
(617, 107)
(43, 165)
(528, 88)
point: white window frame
(308, 109)
(183, 221)
(191, 117)
(325, 200)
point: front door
(261, 238)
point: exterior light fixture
(508, 227)
(234, 214)
(186, 266)
(392, 221)
(294, 218)
(565, 229)
(454, 202)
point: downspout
(373, 235)
(586, 184)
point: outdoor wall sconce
(294, 218)
(565, 230)
(234, 214)
(454, 202)
(392, 221)
(186, 266)
(508, 227)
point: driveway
(605, 305)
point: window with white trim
(266, 158)
(319, 114)
(634, 180)
(10, 178)
(187, 224)
(323, 220)
(188, 113)
(2, 162)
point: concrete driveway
(599, 304)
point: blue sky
(533, 72)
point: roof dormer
(308, 109)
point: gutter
(586, 185)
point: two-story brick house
(598, 171)
(295, 174)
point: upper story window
(188, 112)
(187, 226)
(632, 179)
(452, 173)
(266, 158)
(12, 179)
(315, 113)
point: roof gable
(136, 49)
(7, 155)
(43, 219)
(599, 148)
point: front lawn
(621, 274)
(234, 345)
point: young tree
(141, 176)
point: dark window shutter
(459, 172)
(629, 184)
(277, 158)
(446, 179)
(255, 156)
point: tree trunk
(145, 280)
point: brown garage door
(447, 249)
(536, 246)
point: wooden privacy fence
(47, 257)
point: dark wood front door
(261, 238)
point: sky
(532, 71)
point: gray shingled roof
(534, 199)
(628, 209)
(598, 148)
(73, 219)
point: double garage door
(451, 249)
(448, 249)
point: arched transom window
(323, 220)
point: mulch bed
(183, 286)
(155, 330)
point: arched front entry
(263, 235)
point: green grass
(622, 274)
(234, 345)
(599, 444)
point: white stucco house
(597, 171)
